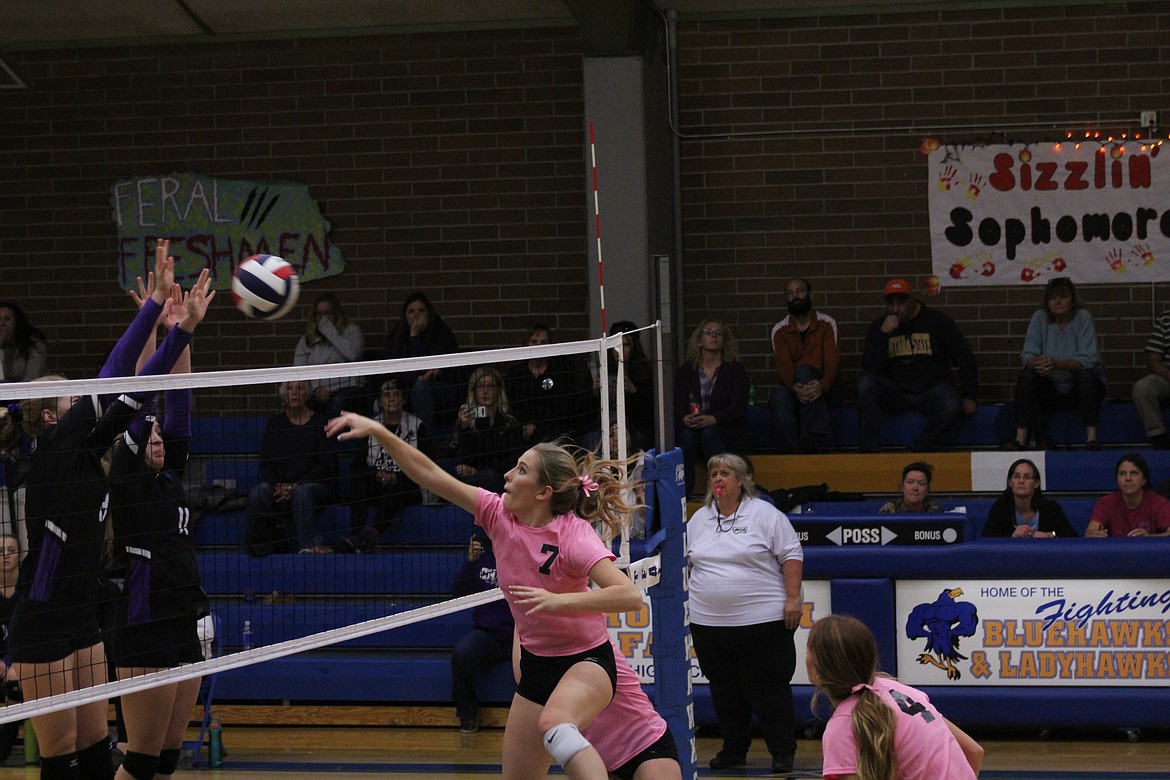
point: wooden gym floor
(431, 752)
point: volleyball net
(364, 563)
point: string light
(1114, 143)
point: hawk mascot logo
(942, 623)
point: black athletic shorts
(665, 747)
(39, 633)
(160, 644)
(539, 674)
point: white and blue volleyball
(265, 287)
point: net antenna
(597, 226)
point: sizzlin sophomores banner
(1014, 214)
(1034, 632)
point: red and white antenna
(597, 223)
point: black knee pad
(140, 765)
(95, 762)
(168, 761)
(58, 767)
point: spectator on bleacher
(711, 398)
(10, 692)
(297, 472)
(746, 569)
(906, 366)
(22, 346)
(490, 640)
(421, 332)
(490, 438)
(378, 481)
(1022, 511)
(915, 491)
(805, 348)
(1062, 367)
(1152, 390)
(546, 393)
(1134, 509)
(638, 387)
(330, 337)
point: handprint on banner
(974, 186)
(1116, 261)
(946, 177)
(1035, 267)
(1144, 254)
(981, 262)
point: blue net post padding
(666, 512)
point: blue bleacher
(987, 428)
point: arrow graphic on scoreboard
(842, 536)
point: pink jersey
(629, 724)
(556, 557)
(924, 747)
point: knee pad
(564, 741)
(140, 765)
(168, 761)
(59, 767)
(95, 761)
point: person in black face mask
(805, 346)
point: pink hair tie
(588, 485)
(862, 687)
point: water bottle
(214, 743)
(247, 635)
(752, 396)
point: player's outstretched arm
(424, 471)
(971, 749)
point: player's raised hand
(164, 272)
(197, 302)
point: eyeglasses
(712, 332)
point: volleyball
(265, 287)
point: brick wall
(850, 212)
(452, 162)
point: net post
(672, 637)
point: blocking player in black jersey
(156, 618)
(54, 640)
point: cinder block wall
(843, 200)
(452, 162)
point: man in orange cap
(906, 365)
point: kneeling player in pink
(880, 728)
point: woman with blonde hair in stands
(330, 337)
(490, 437)
(548, 557)
(711, 398)
(880, 729)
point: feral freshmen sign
(218, 223)
(1010, 215)
(1034, 632)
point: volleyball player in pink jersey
(630, 736)
(880, 729)
(547, 557)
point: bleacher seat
(987, 428)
